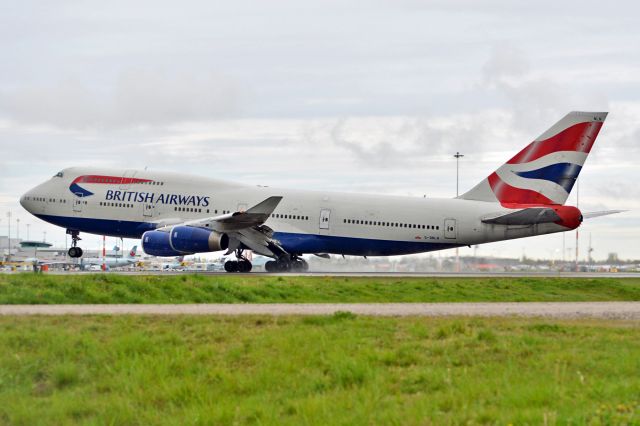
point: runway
(386, 274)
(603, 310)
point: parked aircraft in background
(177, 263)
(179, 214)
(111, 261)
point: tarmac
(566, 310)
(588, 275)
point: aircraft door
(147, 209)
(77, 202)
(450, 229)
(325, 220)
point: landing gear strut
(74, 251)
(242, 265)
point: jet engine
(181, 240)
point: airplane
(111, 261)
(177, 263)
(179, 214)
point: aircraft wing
(528, 216)
(244, 227)
(255, 216)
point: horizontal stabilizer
(530, 216)
(591, 215)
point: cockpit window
(59, 174)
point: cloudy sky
(355, 96)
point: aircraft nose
(25, 200)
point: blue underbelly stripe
(291, 242)
(109, 227)
(312, 243)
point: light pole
(28, 225)
(577, 233)
(9, 235)
(457, 155)
(44, 236)
(18, 228)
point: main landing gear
(74, 251)
(284, 263)
(242, 265)
(287, 264)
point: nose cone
(27, 199)
(23, 201)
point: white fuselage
(109, 262)
(303, 222)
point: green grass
(339, 369)
(114, 288)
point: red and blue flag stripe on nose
(101, 179)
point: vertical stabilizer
(545, 171)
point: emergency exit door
(325, 220)
(450, 230)
(77, 202)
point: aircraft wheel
(299, 265)
(305, 265)
(75, 252)
(284, 265)
(271, 266)
(244, 266)
(296, 266)
(231, 266)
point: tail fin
(132, 253)
(545, 171)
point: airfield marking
(605, 310)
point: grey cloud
(411, 141)
(533, 98)
(136, 97)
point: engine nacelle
(183, 240)
(156, 243)
(190, 239)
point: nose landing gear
(74, 251)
